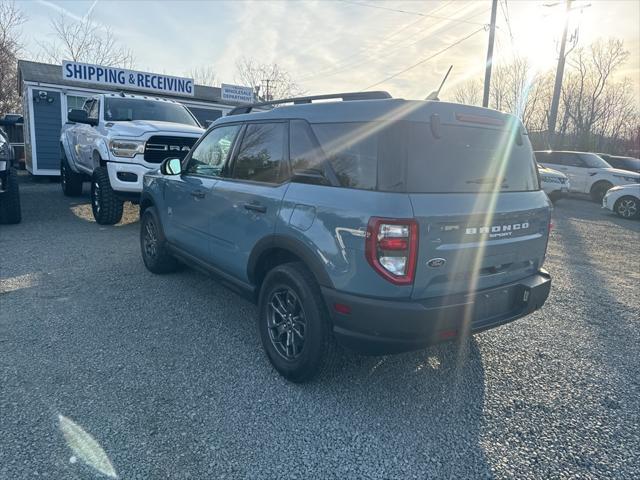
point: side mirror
(310, 176)
(171, 166)
(78, 115)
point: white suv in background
(114, 140)
(587, 172)
(555, 184)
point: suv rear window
(405, 157)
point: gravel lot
(167, 374)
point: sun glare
(537, 35)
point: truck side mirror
(171, 166)
(78, 115)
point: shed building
(47, 98)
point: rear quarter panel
(332, 223)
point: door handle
(198, 194)
(255, 207)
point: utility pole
(487, 72)
(267, 95)
(553, 114)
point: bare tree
(84, 41)
(596, 113)
(204, 76)
(515, 88)
(469, 92)
(588, 94)
(11, 19)
(268, 80)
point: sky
(330, 46)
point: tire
(71, 181)
(106, 206)
(153, 244)
(599, 190)
(295, 292)
(10, 212)
(627, 207)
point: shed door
(48, 123)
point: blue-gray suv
(380, 224)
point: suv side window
(211, 154)
(352, 151)
(303, 151)
(571, 160)
(545, 157)
(260, 157)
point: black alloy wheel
(286, 322)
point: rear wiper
(490, 181)
(485, 180)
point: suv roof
(391, 109)
(562, 151)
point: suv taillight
(392, 248)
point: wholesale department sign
(236, 93)
(126, 79)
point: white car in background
(623, 201)
(587, 172)
(555, 184)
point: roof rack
(345, 97)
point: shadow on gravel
(53, 206)
(421, 406)
(586, 210)
(414, 415)
(602, 308)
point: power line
(393, 48)
(410, 12)
(426, 59)
(505, 13)
(364, 50)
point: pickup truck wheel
(10, 200)
(106, 206)
(627, 207)
(294, 324)
(71, 181)
(599, 190)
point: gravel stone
(167, 374)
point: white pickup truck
(114, 140)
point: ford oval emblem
(436, 262)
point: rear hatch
(472, 180)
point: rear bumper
(390, 326)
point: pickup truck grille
(160, 147)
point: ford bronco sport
(114, 140)
(382, 224)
